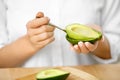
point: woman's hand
(84, 47)
(39, 32)
(87, 47)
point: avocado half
(52, 74)
(77, 32)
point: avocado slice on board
(52, 74)
(77, 32)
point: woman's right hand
(39, 32)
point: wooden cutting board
(75, 74)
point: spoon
(51, 24)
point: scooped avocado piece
(52, 74)
(78, 32)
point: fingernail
(87, 43)
(76, 46)
(80, 43)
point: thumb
(39, 15)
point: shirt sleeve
(3, 28)
(110, 21)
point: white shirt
(14, 14)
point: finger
(37, 22)
(83, 47)
(77, 49)
(71, 47)
(41, 37)
(42, 29)
(47, 28)
(46, 42)
(39, 15)
(90, 46)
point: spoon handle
(57, 27)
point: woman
(26, 41)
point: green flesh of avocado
(52, 74)
(78, 32)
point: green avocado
(77, 32)
(52, 74)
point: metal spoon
(57, 27)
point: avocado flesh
(52, 74)
(78, 32)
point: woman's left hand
(84, 47)
(87, 47)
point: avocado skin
(75, 41)
(59, 77)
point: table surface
(101, 71)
